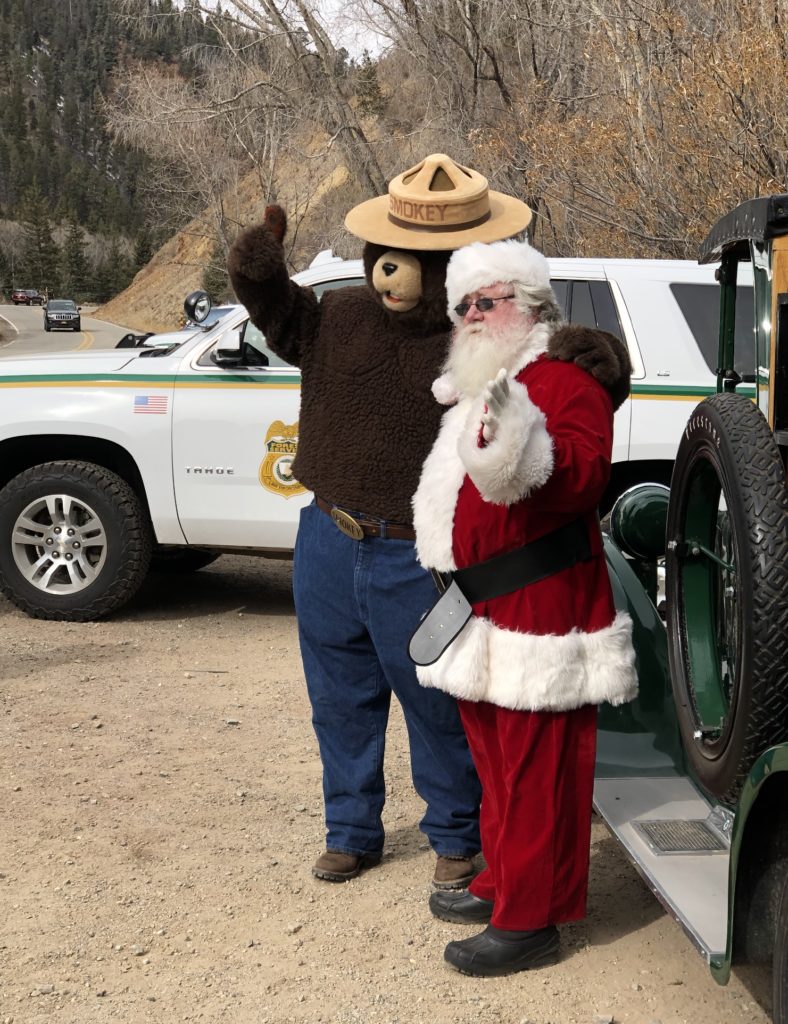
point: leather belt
(503, 574)
(357, 527)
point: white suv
(181, 448)
(667, 311)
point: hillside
(186, 115)
(154, 299)
(61, 171)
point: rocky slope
(315, 199)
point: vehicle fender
(758, 861)
(97, 415)
(641, 735)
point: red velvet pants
(537, 774)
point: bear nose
(389, 268)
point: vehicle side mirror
(229, 350)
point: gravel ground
(161, 807)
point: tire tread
(136, 547)
(748, 452)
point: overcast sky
(346, 31)
(344, 28)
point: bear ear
(275, 219)
(599, 353)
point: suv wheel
(46, 325)
(75, 541)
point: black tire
(103, 518)
(46, 325)
(78, 327)
(728, 624)
(181, 560)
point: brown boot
(333, 866)
(453, 872)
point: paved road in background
(22, 333)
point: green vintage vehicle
(692, 778)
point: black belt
(358, 526)
(443, 623)
(503, 574)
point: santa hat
(478, 265)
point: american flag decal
(155, 404)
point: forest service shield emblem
(276, 469)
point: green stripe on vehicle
(152, 380)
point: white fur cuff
(537, 673)
(518, 460)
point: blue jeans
(357, 604)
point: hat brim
(370, 222)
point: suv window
(561, 289)
(330, 286)
(257, 351)
(65, 304)
(700, 306)
(253, 336)
(589, 303)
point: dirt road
(161, 806)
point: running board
(679, 843)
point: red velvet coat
(558, 643)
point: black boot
(495, 952)
(461, 907)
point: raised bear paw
(257, 253)
(599, 353)
(275, 219)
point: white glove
(496, 398)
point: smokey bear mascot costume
(368, 356)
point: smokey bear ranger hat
(438, 205)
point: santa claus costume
(530, 666)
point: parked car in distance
(62, 313)
(27, 297)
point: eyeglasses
(484, 305)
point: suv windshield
(61, 304)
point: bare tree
(493, 68)
(204, 139)
(626, 124)
(291, 34)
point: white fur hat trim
(478, 266)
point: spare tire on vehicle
(727, 591)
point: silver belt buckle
(347, 524)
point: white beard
(478, 352)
